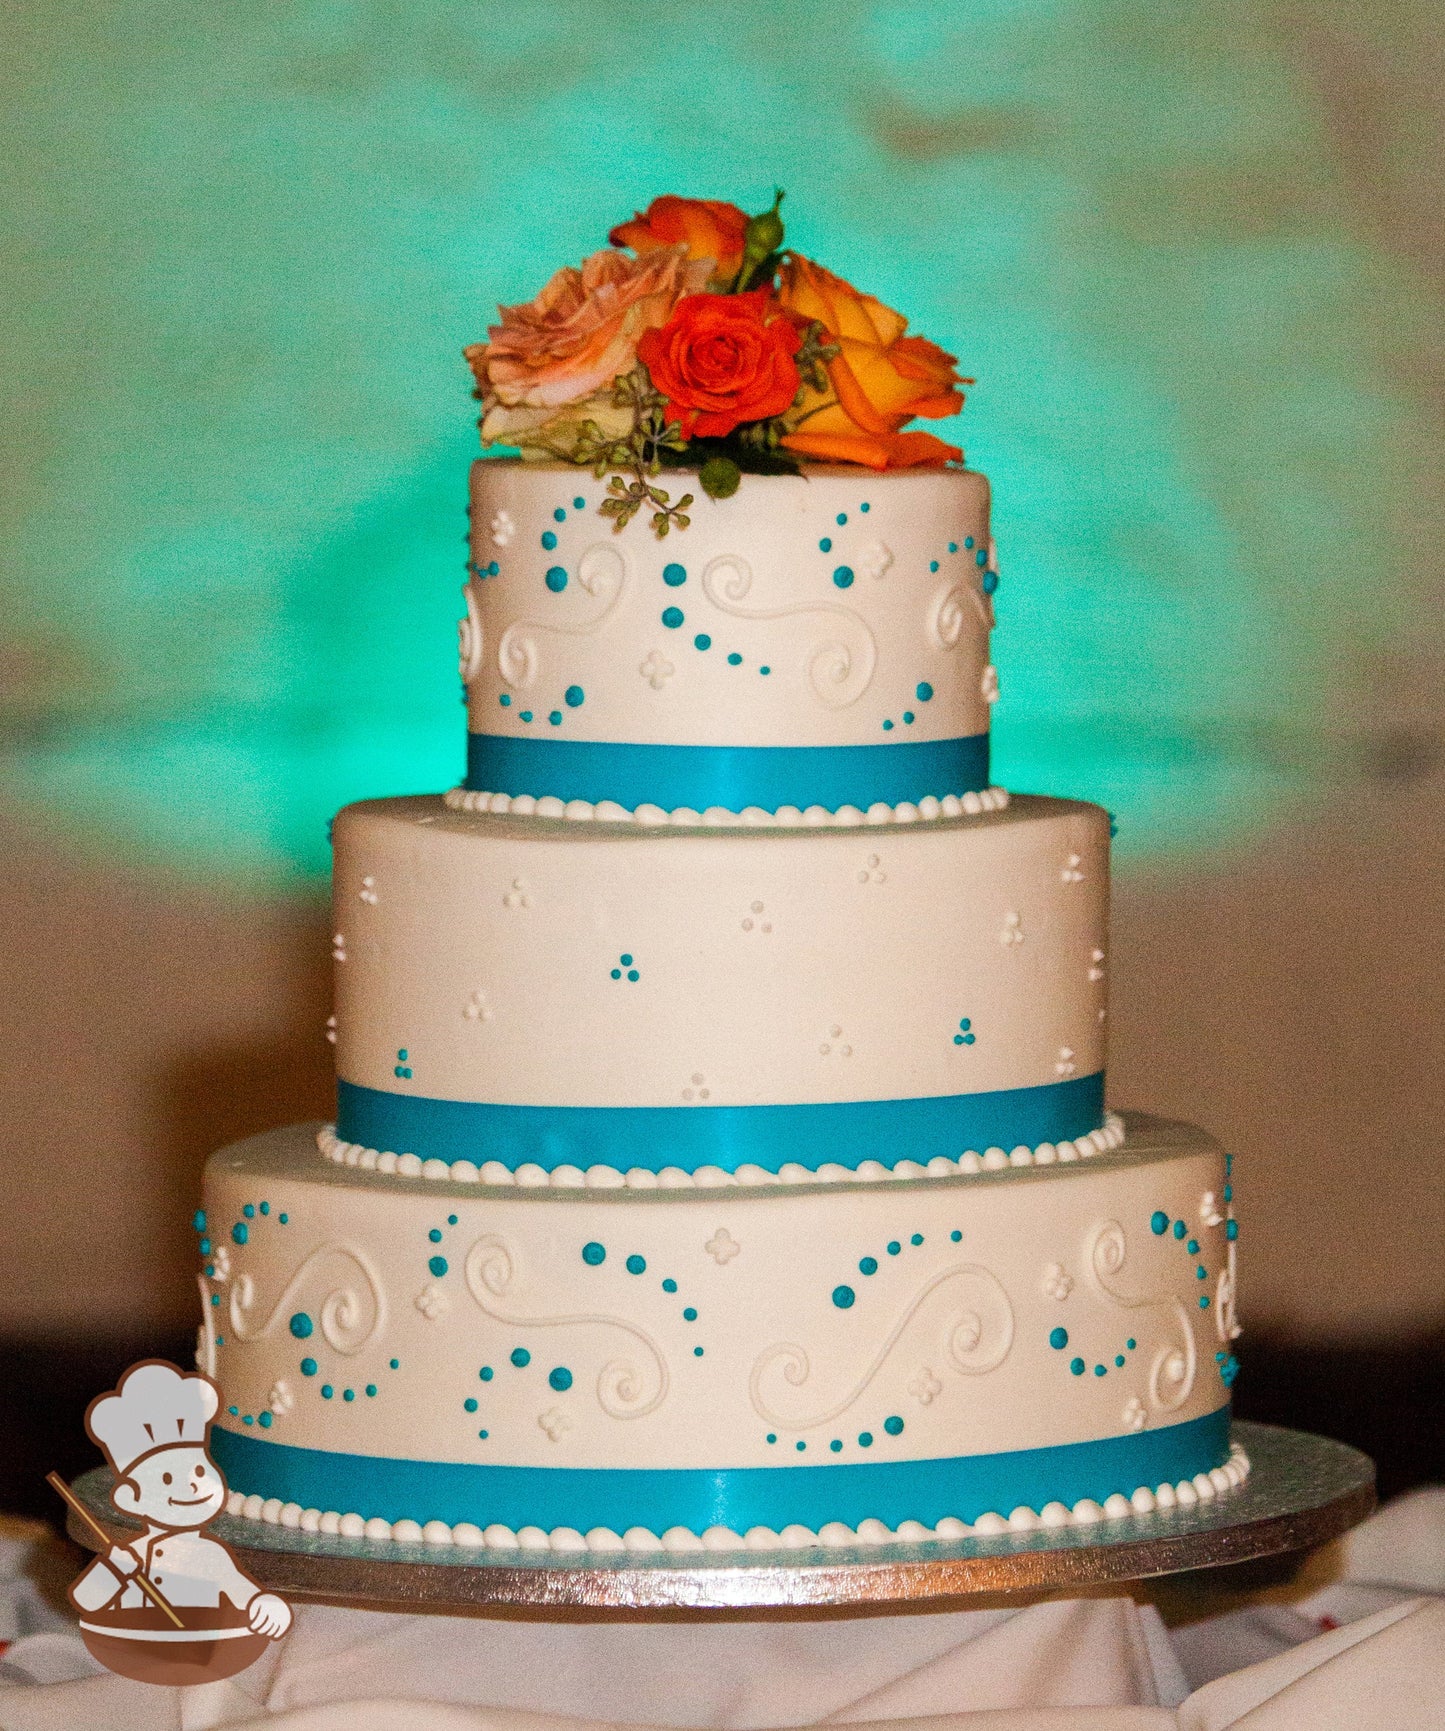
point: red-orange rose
(707, 227)
(721, 360)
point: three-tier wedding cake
(721, 1156)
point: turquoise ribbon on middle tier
(845, 1134)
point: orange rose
(879, 379)
(574, 339)
(707, 227)
(721, 360)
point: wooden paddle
(152, 1592)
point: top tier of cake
(816, 641)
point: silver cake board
(1302, 1491)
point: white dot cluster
(832, 1535)
(532, 1177)
(927, 810)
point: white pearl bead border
(927, 810)
(533, 1177)
(1187, 1493)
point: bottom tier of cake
(420, 1358)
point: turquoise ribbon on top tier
(845, 1134)
(964, 1486)
(731, 776)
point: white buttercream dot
(681, 1539)
(1204, 1485)
(500, 803)
(722, 1539)
(870, 1171)
(252, 1507)
(376, 1529)
(754, 816)
(609, 811)
(832, 1173)
(1067, 1151)
(796, 1537)
(951, 1527)
(435, 1168)
(568, 1177)
(761, 1539)
(579, 810)
(465, 1172)
(604, 1539)
(1055, 1515)
(271, 1510)
(353, 1527)
(409, 1165)
(531, 1176)
(788, 817)
(874, 1532)
(523, 805)
(989, 1525)
(310, 1520)
(641, 1539)
(650, 816)
(467, 1534)
(816, 816)
(940, 1166)
(1023, 1519)
(970, 1162)
(1116, 1507)
(1087, 1512)
(235, 1503)
(674, 1178)
(291, 1514)
(1045, 1154)
(386, 1162)
(879, 812)
(792, 1173)
(929, 808)
(972, 804)
(550, 806)
(330, 1524)
(909, 1169)
(836, 1533)
(604, 1178)
(684, 817)
(903, 812)
(994, 1159)
(1164, 1497)
(951, 805)
(439, 1533)
(641, 1178)
(719, 817)
(1186, 1493)
(494, 1172)
(913, 1532)
(712, 1178)
(848, 817)
(1220, 1479)
(501, 1538)
(1143, 1501)
(406, 1532)
(1021, 1156)
(567, 1539)
(755, 1175)
(533, 1539)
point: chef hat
(153, 1407)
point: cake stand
(1302, 1491)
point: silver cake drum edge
(1303, 1491)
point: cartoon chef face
(177, 1487)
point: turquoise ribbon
(845, 1134)
(731, 776)
(965, 1486)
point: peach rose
(880, 378)
(565, 348)
(708, 227)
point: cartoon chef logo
(170, 1605)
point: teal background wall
(245, 246)
(1195, 256)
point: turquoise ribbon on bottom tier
(845, 1134)
(965, 1486)
(731, 776)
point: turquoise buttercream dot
(953, 545)
(1100, 1370)
(923, 690)
(526, 714)
(265, 1207)
(672, 617)
(772, 1436)
(702, 641)
(689, 1315)
(1193, 1247)
(435, 1235)
(370, 1389)
(626, 961)
(869, 1265)
(249, 1211)
(234, 1411)
(556, 579)
(249, 1419)
(348, 1394)
(894, 1247)
(486, 1373)
(836, 1445)
(800, 1446)
(205, 1247)
(888, 727)
(917, 1238)
(1229, 1193)
(980, 558)
(560, 1378)
(636, 1264)
(1201, 1273)
(283, 1218)
(1058, 1338)
(198, 1220)
(735, 660)
(1180, 1229)
(697, 1352)
(593, 1254)
(1231, 1230)
(968, 541)
(521, 1357)
(842, 518)
(451, 1219)
(1131, 1343)
(865, 506)
(308, 1367)
(843, 576)
(559, 515)
(239, 1234)
(932, 564)
(1076, 1365)
(396, 1364)
(505, 700)
(669, 1285)
(555, 718)
(438, 1265)
(843, 1297)
(865, 1439)
(990, 582)
(549, 540)
(483, 1435)
(302, 1326)
(574, 697)
(956, 1236)
(1158, 1222)
(579, 503)
(674, 576)
(894, 1425)
(327, 1391)
(1203, 1302)
(1118, 1358)
(826, 544)
(908, 718)
(264, 1421)
(765, 671)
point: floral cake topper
(697, 340)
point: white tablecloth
(1359, 1646)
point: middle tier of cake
(555, 998)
